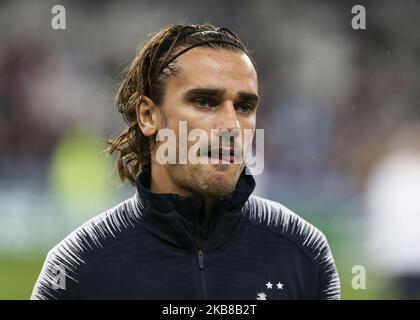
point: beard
(208, 180)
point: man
(192, 230)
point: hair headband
(168, 61)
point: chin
(220, 179)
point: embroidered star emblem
(279, 285)
(261, 296)
(269, 285)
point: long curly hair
(146, 76)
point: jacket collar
(176, 218)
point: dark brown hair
(146, 76)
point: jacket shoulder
(283, 221)
(65, 263)
(306, 237)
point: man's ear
(148, 116)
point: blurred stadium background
(340, 111)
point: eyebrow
(218, 92)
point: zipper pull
(201, 259)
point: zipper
(200, 259)
(200, 255)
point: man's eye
(245, 107)
(203, 103)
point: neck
(209, 203)
(161, 183)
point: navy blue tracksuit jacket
(152, 246)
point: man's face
(214, 89)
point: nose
(228, 119)
(228, 123)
